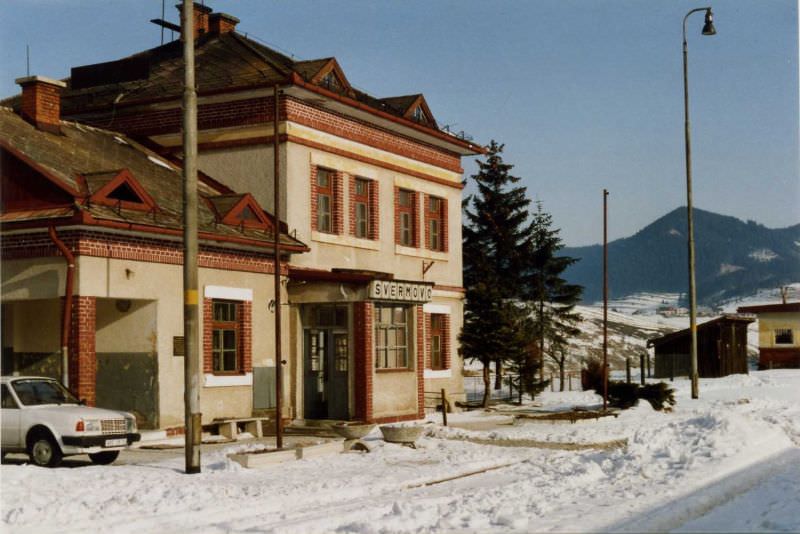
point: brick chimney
(220, 23)
(41, 102)
(201, 15)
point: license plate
(116, 442)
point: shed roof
(789, 307)
(702, 326)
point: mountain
(733, 258)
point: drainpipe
(67, 313)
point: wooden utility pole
(605, 299)
(276, 205)
(191, 364)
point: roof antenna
(27, 60)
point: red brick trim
(446, 349)
(98, 244)
(260, 110)
(82, 354)
(244, 313)
(314, 211)
(363, 316)
(445, 341)
(338, 202)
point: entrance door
(327, 355)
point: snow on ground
(728, 461)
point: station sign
(399, 290)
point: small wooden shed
(721, 349)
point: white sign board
(404, 291)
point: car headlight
(130, 424)
(92, 425)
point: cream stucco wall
(26, 281)
(769, 322)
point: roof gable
(119, 188)
(239, 210)
(331, 77)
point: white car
(41, 417)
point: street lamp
(708, 29)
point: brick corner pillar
(83, 357)
(420, 362)
(363, 313)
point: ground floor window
(225, 335)
(437, 343)
(391, 336)
(783, 336)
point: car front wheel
(45, 452)
(104, 458)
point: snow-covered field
(726, 462)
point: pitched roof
(84, 160)
(789, 307)
(702, 326)
(222, 62)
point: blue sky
(584, 94)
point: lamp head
(708, 27)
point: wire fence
(474, 388)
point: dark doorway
(326, 350)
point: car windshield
(34, 392)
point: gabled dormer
(332, 78)
(419, 112)
(118, 189)
(239, 210)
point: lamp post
(708, 29)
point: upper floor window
(783, 336)
(406, 218)
(326, 200)
(362, 208)
(435, 217)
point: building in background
(721, 349)
(778, 334)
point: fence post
(641, 367)
(569, 380)
(672, 368)
(627, 369)
(444, 407)
(552, 383)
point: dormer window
(331, 82)
(239, 210)
(419, 116)
(118, 189)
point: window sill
(398, 370)
(227, 380)
(421, 253)
(438, 373)
(345, 240)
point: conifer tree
(553, 299)
(494, 237)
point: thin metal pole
(277, 252)
(191, 395)
(605, 299)
(689, 215)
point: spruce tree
(553, 299)
(494, 237)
